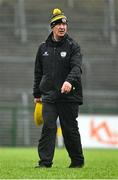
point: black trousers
(67, 113)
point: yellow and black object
(38, 118)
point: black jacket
(55, 63)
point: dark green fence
(17, 127)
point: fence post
(20, 20)
(16, 20)
(14, 127)
(109, 21)
(112, 23)
(70, 3)
(106, 19)
(25, 119)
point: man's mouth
(62, 31)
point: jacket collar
(53, 43)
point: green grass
(18, 163)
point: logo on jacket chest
(63, 54)
(45, 53)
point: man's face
(59, 30)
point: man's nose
(61, 25)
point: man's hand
(37, 100)
(66, 87)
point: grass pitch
(18, 163)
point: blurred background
(24, 24)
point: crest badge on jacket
(63, 54)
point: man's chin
(61, 34)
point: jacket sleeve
(75, 66)
(37, 76)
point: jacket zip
(54, 67)
(54, 63)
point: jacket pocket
(46, 84)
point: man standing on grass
(57, 83)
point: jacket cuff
(36, 95)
